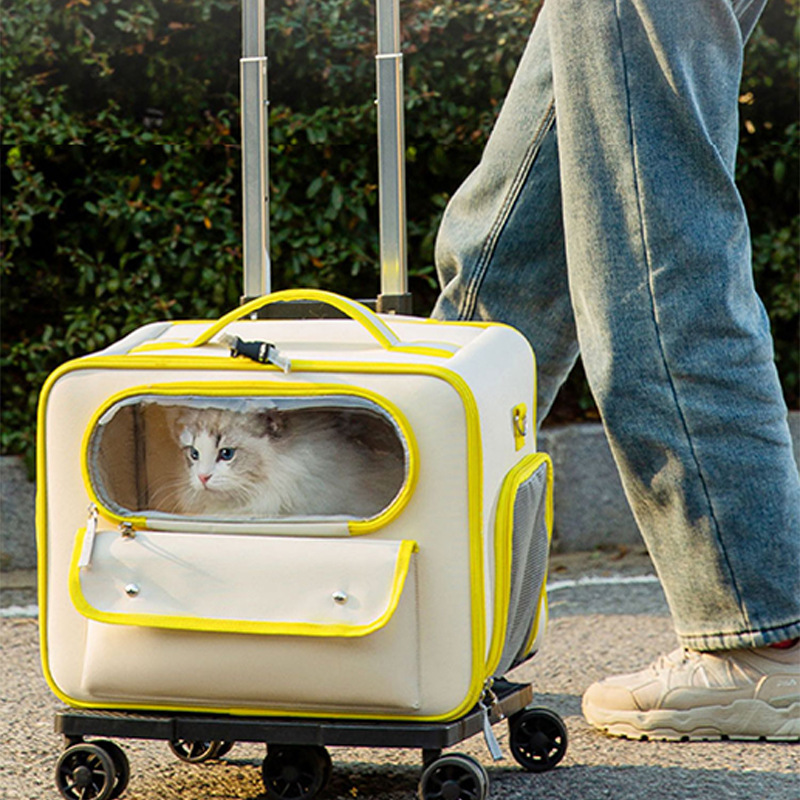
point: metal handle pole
(255, 164)
(391, 160)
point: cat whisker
(166, 495)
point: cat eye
(227, 453)
(193, 453)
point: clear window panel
(247, 458)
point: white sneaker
(688, 695)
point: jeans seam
(467, 306)
(654, 310)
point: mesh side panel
(528, 565)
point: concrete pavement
(607, 615)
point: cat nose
(204, 479)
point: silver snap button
(340, 598)
(132, 590)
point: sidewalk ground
(606, 616)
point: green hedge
(121, 173)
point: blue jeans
(603, 219)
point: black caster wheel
(538, 739)
(122, 768)
(85, 772)
(454, 777)
(195, 752)
(292, 772)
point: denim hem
(742, 640)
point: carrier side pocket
(523, 531)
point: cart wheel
(538, 739)
(294, 771)
(454, 777)
(85, 772)
(195, 752)
(122, 768)
(223, 749)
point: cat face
(210, 458)
(227, 457)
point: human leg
(674, 340)
(500, 248)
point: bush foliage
(121, 171)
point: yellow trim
(268, 389)
(358, 312)
(152, 347)
(474, 493)
(504, 527)
(212, 625)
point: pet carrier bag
(338, 517)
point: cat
(274, 463)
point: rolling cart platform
(297, 764)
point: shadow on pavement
(580, 782)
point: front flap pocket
(239, 583)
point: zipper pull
(85, 559)
(487, 702)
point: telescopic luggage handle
(391, 156)
(255, 152)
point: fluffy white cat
(270, 463)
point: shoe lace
(676, 659)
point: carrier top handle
(255, 166)
(394, 296)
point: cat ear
(271, 423)
(175, 418)
(179, 418)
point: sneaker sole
(743, 721)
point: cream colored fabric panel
(437, 512)
(323, 340)
(436, 517)
(499, 384)
(72, 402)
(299, 335)
(371, 674)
